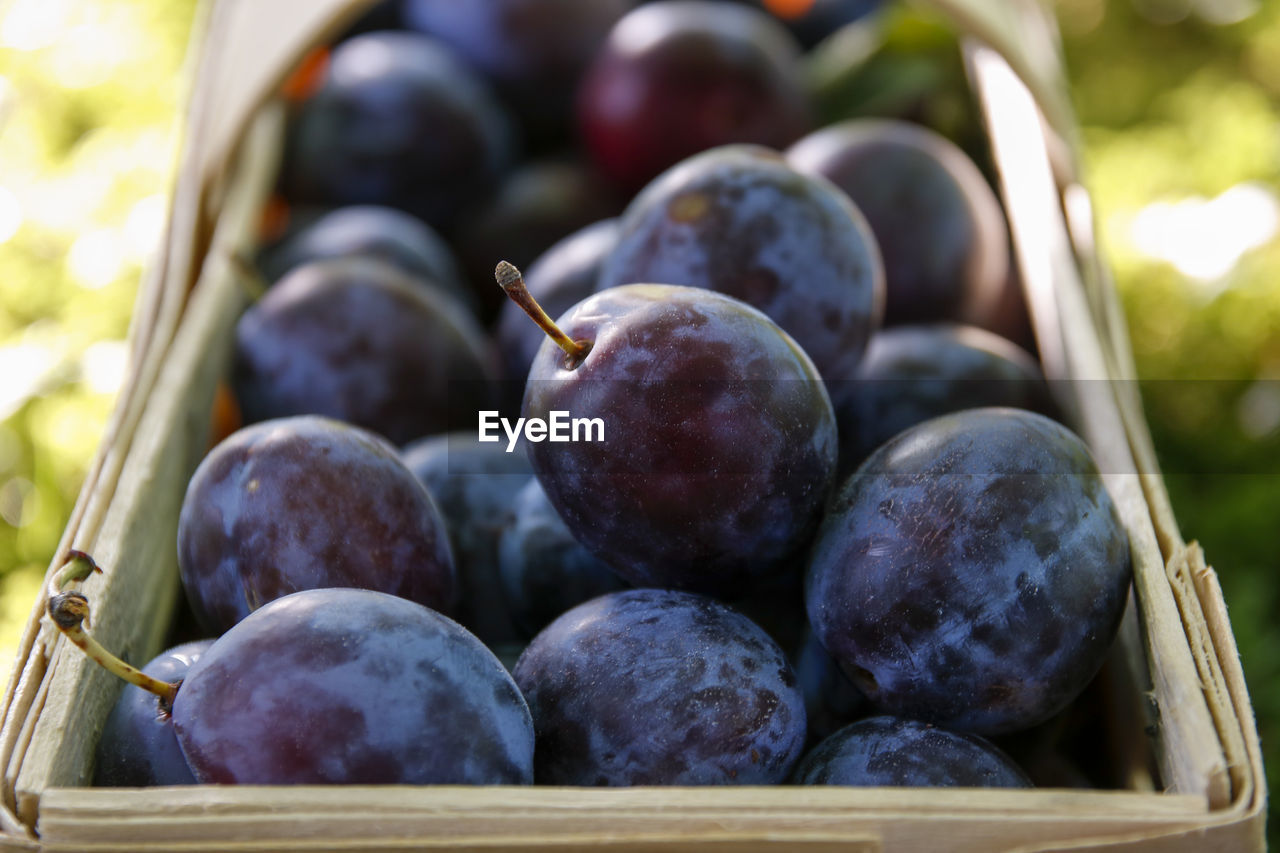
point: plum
(305, 503)
(913, 373)
(544, 570)
(398, 121)
(716, 450)
(656, 687)
(533, 52)
(475, 486)
(972, 572)
(360, 341)
(370, 230)
(680, 76)
(941, 231)
(739, 220)
(896, 752)
(348, 686)
(830, 698)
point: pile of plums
(745, 482)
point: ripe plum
(347, 686)
(718, 447)
(362, 342)
(680, 76)
(940, 229)
(739, 220)
(398, 121)
(370, 230)
(655, 687)
(533, 52)
(913, 373)
(305, 503)
(896, 752)
(973, 571)
(544, 570)
(475, 485)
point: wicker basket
(1179, 694)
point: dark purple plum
(533, 52)
(940, 229)
(307, 503)
(475, 485)
(544, 570)
(369, 230)
(913, 373)
(739, 220)
(718, 446)
(344, 687)
(656, 687)
(560, 278)
(538, 204)
(897, 752)
(680, 76)
(138, 747)
(973, 572)
(830, 699)
(398, 121)
(360, 341)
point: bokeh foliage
(1174, 104)
(89, 92)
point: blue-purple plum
(399, 121)
(306, 503)
(544, 570)
(941, 231)
(738, 220)
(913, 373)
(345, 687)
(533, 52)
(831, 700)
(369, 230)
(972, 572)
(475, 485)
(896, 752)
(656, 687)
(360, 341)
(717, 451)
(138, 747)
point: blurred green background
(1179, 101)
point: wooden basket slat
(959, 819)
(136, 540)
(1191, 757)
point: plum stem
(511, 280)
(70, 612)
